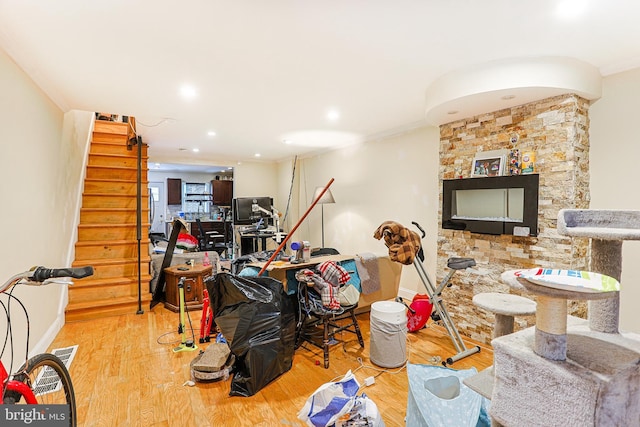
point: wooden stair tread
(116, 143)
(133, 168)
(127, 181)
(133, 155)
(112, 195)
(117, 128)
(107, 302)
(105, 209)
(111, 261)
(113, 281)
(98, 226)
(111, 242)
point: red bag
(186, 241)
(422, 307)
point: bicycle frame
(17, 386)
(36, 276)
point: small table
(278, 269)
(193, 285)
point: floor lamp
(327, 197)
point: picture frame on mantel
(488, 164)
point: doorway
(156, 208)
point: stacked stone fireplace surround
(557, 130)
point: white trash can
(388, 334)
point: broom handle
(295, 227)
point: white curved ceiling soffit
(496, 85)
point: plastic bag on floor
(439, 398)
(337, 403)
(364, 413)
(257, 319)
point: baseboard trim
(56, 326)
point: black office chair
(207, 240)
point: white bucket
(388, 332)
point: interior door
(156, 207)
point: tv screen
(243, 213)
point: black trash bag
(257, 318)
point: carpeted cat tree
(567, 371)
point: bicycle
(21, 387)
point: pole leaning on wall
(295, 227)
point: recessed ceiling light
(287, 141)
(571, 9)
(453, 112)
(188, 91)
(211, 133)
(507, 97)
(196, 150)
(257, 155)
(333, 115)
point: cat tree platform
(568, 371)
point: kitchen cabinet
(222, 192)
(174, 191)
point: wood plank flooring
(125, 374)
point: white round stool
(505, 307)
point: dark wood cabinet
(222, 192)
(174, 191)
(194, 277)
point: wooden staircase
(107, 237)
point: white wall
(391, 179)
(614, 157)
(41, 167)
(256, 179)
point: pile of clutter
(214, 363)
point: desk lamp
(327, 197)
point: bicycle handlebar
(41, 273)
(419, 228)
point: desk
(278, 269)
(249, 241)
(193, 286)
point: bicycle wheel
(50, 381)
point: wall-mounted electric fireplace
(492, 205)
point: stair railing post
(137, 140)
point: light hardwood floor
(125, 374)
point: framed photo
(485, 164)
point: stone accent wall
(557, 129)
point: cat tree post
(567, 369)
(607, 230)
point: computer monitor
(243, 213)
